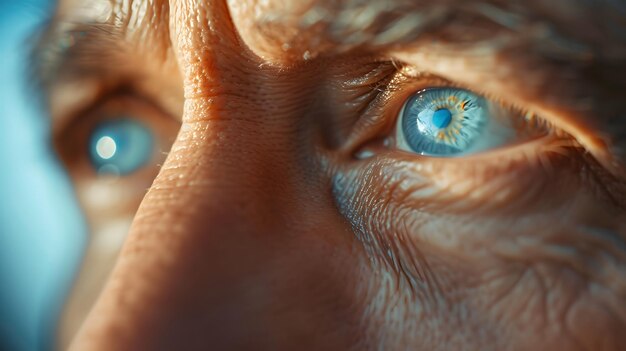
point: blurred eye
(445, 122)
(120, 135)
(120, 146)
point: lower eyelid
(495, 179)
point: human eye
(445, 176)
(121, 145)
(117, 139)
(427, 142)
(422, 119)
(454, 122)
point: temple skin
(267, 228)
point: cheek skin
(523, 272)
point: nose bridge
(231, 242)
(233, 184)
(219, 229)
(208, 51)
(241, 163)
(233, 171)
(226, 235)
(227, 249)
(227, 146)
(231, 132)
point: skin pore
(278, 212)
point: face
(343, 175)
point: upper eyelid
(120, 92)
(75, 115)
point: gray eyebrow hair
(355, 23)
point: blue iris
(444, 121)
(120, 146)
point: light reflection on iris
(106, 147)
(120, 146)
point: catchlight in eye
(120, 146)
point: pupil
(442, 118)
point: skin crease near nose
(262, 230)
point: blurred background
(41, 228)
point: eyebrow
(352, 24)
(405, 21)
(76, 49)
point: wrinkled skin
(267, 227)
